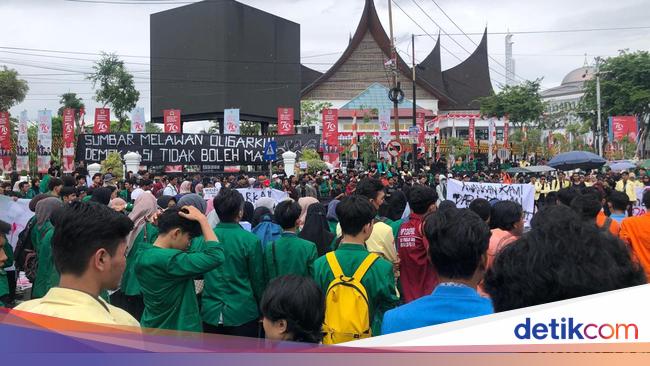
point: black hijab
(317, 230)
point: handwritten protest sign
(16, 214)
(639, 209)
(463, 193)
(251, 195)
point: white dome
(579, 75)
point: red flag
(102, 120)
(5, 141)
(172, 120)
(285, 121)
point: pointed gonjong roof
(457, 88)
(469, 80)
(370, 23)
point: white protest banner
(210, 193)
(16, 214)
(463, 193)
(639, 209)
(251, 195)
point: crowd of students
(377, 259)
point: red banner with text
(102, 120)
(285, 121)
(419, 121)
(330, 131)
(172, 120)
(621, 126)
(472, 133)
(5, 142)
(505, 134)
(68, 140)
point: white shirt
(170, 190)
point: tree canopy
(12, 89)
(115, 86)
(522, 103)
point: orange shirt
(636, 232)
(614, 227)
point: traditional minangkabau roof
(308, 76)
(370, 23)
(456, 89)
(469, 80)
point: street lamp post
(599, 124)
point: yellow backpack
(347, 311)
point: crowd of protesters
(151, 251)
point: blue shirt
(446, 304)
(618, 217)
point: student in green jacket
(356, 215)
(46, 274)
(6, 260)
(144, 234)
(231, 294)
(289, 254)
(166, 270)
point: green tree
(71, 100)
(12, 89)
(250, 128)
(522, 103)
(113, 161)
(310, 110)
(116, 86)
(117, 127)
(625, 89)
(313, 160)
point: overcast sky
(72, 26)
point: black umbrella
(577, 160)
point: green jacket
(231, 294)
(130, 285)
(379, 281)
(4, 281)
(292, 255)
(46, 274)
(166, 280)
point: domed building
(566, 97)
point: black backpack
(25, 254)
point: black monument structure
(215, 55)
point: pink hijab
(186, 187)
(304, 203)
(145, 206)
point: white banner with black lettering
(463, 193)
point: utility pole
(396, 86)
(415, 144)
(599, 112)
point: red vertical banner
(506, 132)
(419, 121)
(172, 120)
(472, 133)
(68, 140)
(285, 121)
(5, 142)
(330, 130)
(102, 120)
(331, 136)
